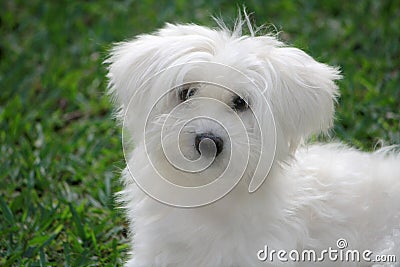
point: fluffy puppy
(217, 173)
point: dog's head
(192, 91)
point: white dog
(212, 113)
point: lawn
(60, 148)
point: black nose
(219, 143)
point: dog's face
(199, 102)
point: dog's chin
(184, 165)
(197, 170)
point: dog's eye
(186, 91)
(239, 104)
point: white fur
(313, 195)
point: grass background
(60, 151)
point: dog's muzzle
(205, 143)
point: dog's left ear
(303, 92)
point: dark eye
(239, 104)
(186, 91)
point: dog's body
(312, 196)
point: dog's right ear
(130, 63)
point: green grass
(60, 149)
